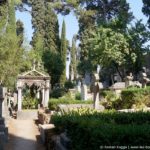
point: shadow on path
(24, 135)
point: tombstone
(79, 86)
(128, 80)
(96, 86)
(84, 92)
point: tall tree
(51, 53)
(51, 38)
(38, 17)
(73, 63)
(63, 51)
(146, 9)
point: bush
(59, 92)
(109, 98)
(78, 96)
(30, 103)
(134, 97)
(96, 129)
(129, 98)
(53, 103)
(69, 85)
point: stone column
(19, 98)
(47, 87)
(43, 96)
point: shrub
(129, 98)
(30, 103)
(96, 129)
(69, 85)
(78, 96)
(133, 97)
(53, 103)
(59, 92)
(109, 98)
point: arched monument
(37, 78)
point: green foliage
(63, 52)
(38, 15)
(54, 66)
(109, 99)
(29, 103)
(146, 9)
(69, 85)
(20, 31)
(53, 103)
(100, 129)
(10, 59)
(51, 38)
(73, 63)
(108, 47)
(130, 98)
(135, 97)
(59, 92)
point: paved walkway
(23, 135)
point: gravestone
(79, 86)
(84, 92)
(96, 86)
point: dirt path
(23, 135)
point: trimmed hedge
(129, 98)
(89, 130)
(53, 103)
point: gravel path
(23, 135)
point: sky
(72, 23)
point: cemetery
(74, 75)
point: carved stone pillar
(43, 96)
(19, 98)
(47, 87)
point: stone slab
(43, 129)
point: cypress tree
(38, 18)
(63, 51)
(51, 38)
(73, 59)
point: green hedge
(53, 103)
(135, 97)
(89, 130)
(129, 98)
